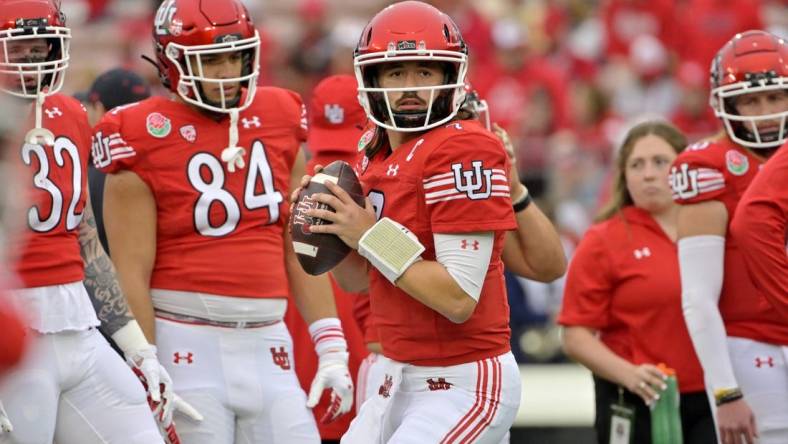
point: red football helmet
(35, 43)
(411, 31)
(186, 30)
(750, 62)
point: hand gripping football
(318, 253)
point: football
(319, 253)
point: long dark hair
(620, 196)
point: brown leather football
(319, 253)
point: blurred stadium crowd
(565, 78)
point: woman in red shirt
(622, 302)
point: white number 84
(213, 191)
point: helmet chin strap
(40, 135)
(233, 155)
(408, 119)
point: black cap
(118, 87)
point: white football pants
(762, 374)
(242, 380)
(74, 389)
(472, 402)
(369, 379)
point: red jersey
(626, 271)
(55, 178)
(452, 179)
(760, 225)
(362, 313)
(217, 232)
(721, 170)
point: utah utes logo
(161, 24)
(476, 183)
(439, 384)
(334, 114)
(385, 388)
(280, 357)
(684, 182)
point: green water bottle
(665, 413)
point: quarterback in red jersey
(740, 340)
(196, 227)
(760, 227)
(80, 390)
(438, 187)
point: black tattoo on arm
(100, 277)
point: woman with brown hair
(622, 302)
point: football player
(740, 340)
(533, 250)
(195, 206)
(429, 240)
(760, 226)
(71, 387)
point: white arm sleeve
(701, 265)
(466, 257)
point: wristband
(327, 335)
(522, 202)
(390, 247)
(130, 338)
(725, 396)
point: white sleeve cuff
(130, 338)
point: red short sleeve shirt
(625, 273)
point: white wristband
(390, 247)
(130, 338)
(327, 335)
